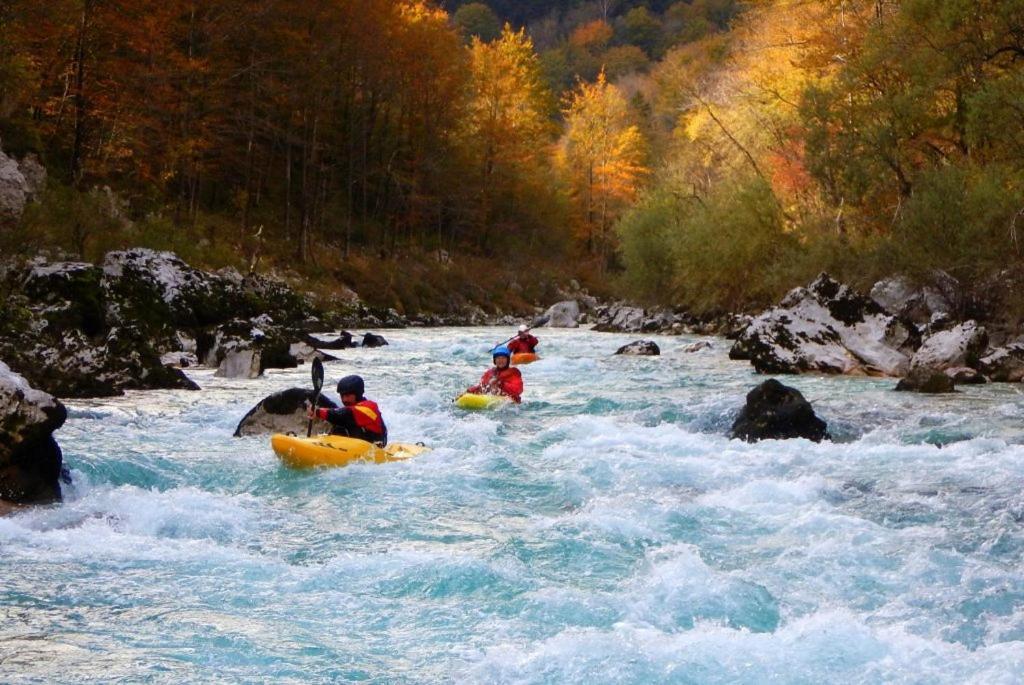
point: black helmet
(351, 384)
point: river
(605, 531)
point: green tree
(477, 20)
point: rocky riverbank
(933, 336)
(140, 317)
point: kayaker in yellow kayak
(523, 342)
(358, 417)
(500, 379)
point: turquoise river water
(605, 531)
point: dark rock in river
(640, 348)
(30, 459)
(342, 342)
(926, 380)
(374, 340)
(777, 412)
(282, 412)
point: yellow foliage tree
(604, 155)
(508, 128)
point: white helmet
(523, 328)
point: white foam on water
(604, 531)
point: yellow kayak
(472, 400)
(337, 450)
(524, 358)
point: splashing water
(603, 531)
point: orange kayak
(525, 357)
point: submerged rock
(640, 348)
(282, 412)
(778, 412)
(30, 458)
(829, 328)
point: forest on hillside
(709, 154)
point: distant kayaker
(358, 417)
(523, 342)
(501, 379)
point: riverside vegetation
(707, 154)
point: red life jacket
(527, 344)
(367, 416)
(509, 382)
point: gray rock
(777, 412)
(1004, 364)
(900, 296)
(696, 347)
(13, 191)
(828, 328)
(961, 345)
(640, 348)
(563, 315)
(304, 352)
(622, 318)
(240, 362)
(35, 176)
(282, 412)
(30, 459)
(964, 375)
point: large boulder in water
(959, 346)
(562, 315)
(640, 348)
(246, 348)
(30, 459)
(828, 328)
(777, 412)
(282, 412)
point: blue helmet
(501, 351)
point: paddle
(318, 384)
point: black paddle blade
(318, 383)
(318, 375)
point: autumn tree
(603, 153)
(508, 128)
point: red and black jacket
(361, 420)
(507, 381)
(527, 344)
